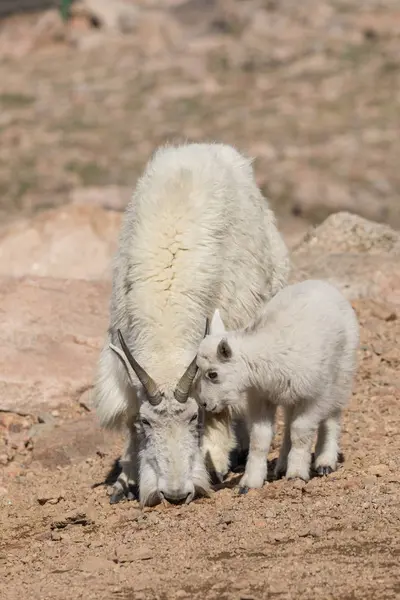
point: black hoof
(280, 474)
(217, 477)
(125, 493)
(321, 471)
(117, 496)
(243, 490)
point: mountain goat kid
(197, 235)
(299, 353)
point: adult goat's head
(169, 426)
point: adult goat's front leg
(218, 442)
(126, 486)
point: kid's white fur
(299, 353)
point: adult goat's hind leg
(218, 442)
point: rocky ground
(312, 90)
(60, 537)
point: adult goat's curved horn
(150, 386)
(207, 327)
(183, 388)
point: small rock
(315, 531)
(86, 400)
(3, 491)
(116, 15)
(279, 536)
(3, 459)
(46, 418)
(394, 478)
(270, 514)
(56, 536)
(379, 470)
(107, 197)
(384, 313)
(299, 484)
(227, 518)
(126, 555)
(96, 563)
(369, 481)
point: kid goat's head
(220, 383)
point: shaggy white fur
(197, 234)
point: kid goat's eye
(212, 375)
(145, 422)
(193, 419)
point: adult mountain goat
(197, 235)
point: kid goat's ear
(224, 351)
(217, 326)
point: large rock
(116, 15)
(51, 332)
(74, 242)
(110, 197)
(359, 256)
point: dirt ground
(337, 537)
(311, 89)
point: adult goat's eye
(212, 375)
(193, 419)
(145, 422)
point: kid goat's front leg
(261, 425)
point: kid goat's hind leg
(281, 464)
(303, 428)
(327, 447)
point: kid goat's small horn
(152, 392)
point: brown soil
(311, 88)
(336, 537)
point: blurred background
(89, 88)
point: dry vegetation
(309, 88)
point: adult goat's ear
(224, 351)
(123, 359)
(153, 394)
(217, 326)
